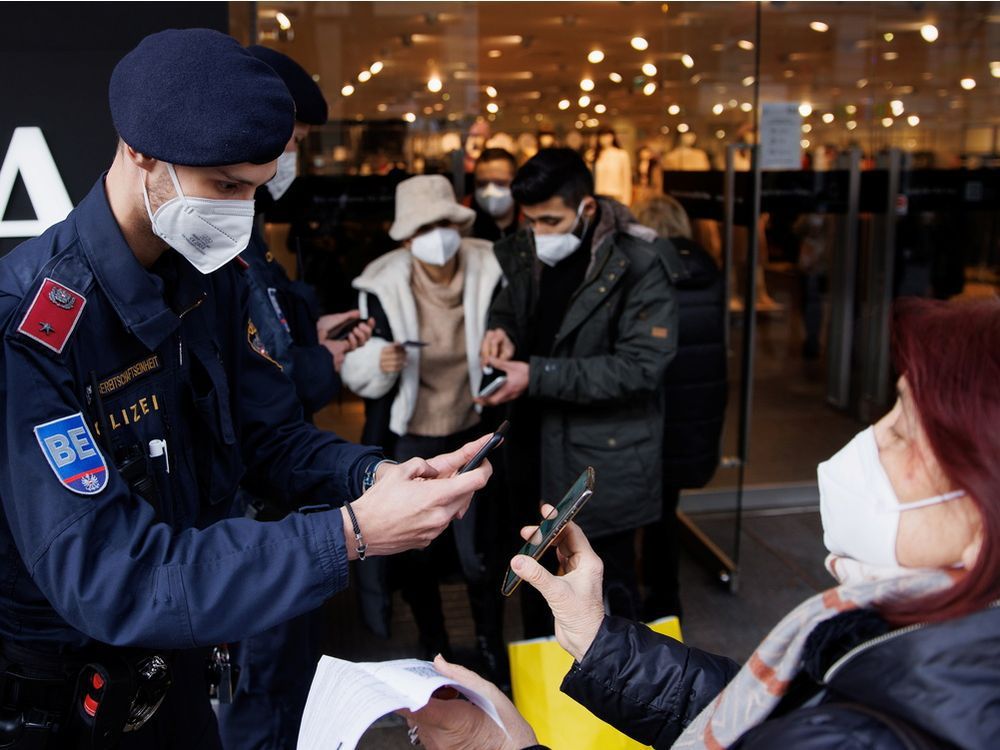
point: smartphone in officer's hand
(548, 530)
(342, 331)
(493, 379)
(495, 439)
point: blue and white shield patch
(73, 455)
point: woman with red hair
(903, 653)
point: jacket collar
(135, 294)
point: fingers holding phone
(496, 346)
(392, 358)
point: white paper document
(347, 697)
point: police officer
(137, 393)
(276, 666)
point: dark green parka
(599, 391)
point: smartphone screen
(555, 522)
(495, 439)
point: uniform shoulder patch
(257, 344)
(52, 315)
(74, 457)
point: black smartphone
(341, 332)
(548, 530)
(493, 378)
(495, 439)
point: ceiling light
(851, 124)
(683, 127)
(428, 110)
(578, 125)
(804, 143)
(564, 104)
(376, 67)
(819, 26)
(897, 107)
(733, 103)
(748, 81)
(595, 56)
(347, 90)
(687, 61)
(850, 109)
(828, 118)
(886, 122)
(434, 84)
(968, 83)
(494, 53)
(640, 44)
(600, 109)
(649, 69)
(491, 92)
(673, 109)
(746, 107)
(283, 22)
(382, 107)
(315, 77)
(720, 134)
(492, 108)
(664, 129)
(805, 109)
(807, 128)
(593, 122)
(929, 32)
(862, 82)
(586, 85)
(995, 69)
(745, 44)
(890, 56)
(583, 101)
(649, 88)
(365, 76)
(888, 36)
(615, 77)
(410, 117)
(913, 121)
(788, 73)
(718, 109)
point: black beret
(310, 106)
(195, 97)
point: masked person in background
(419, 374)
(276, 666)
(496, 211)
(903, 653)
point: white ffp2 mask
(207, 232)
(552, 248)
(858, 506)
(494, 200)
(288, 170)
(437, 246)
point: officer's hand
(393, 358)
(496, 345)
(327, 323)
(575, 597)
(339, 349)
(411, 504)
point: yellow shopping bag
(537, 668)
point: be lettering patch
(53, 315)
(73, 455)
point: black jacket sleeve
(644, 684)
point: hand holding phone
(493, 380)
(495, 439)
(548, 530)
(341, 332)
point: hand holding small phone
(495, 439)
(493, 380)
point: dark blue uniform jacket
(165, 354)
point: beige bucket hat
(426, 199)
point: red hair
(950, 355)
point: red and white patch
(53, 315)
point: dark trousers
(416, 572)
(661, 561)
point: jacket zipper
(868, 645)
(180, 339)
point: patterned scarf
(758, 687)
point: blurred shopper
(496, 211)
(903, 653)
(695, 392)
(584, 330)
(276, 666)
(419, 374)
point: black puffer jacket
(931, 686)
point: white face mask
(288, 170)
(208, 233)
(552, 248)
(436, 247)
(494, 200)
(859, 508)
